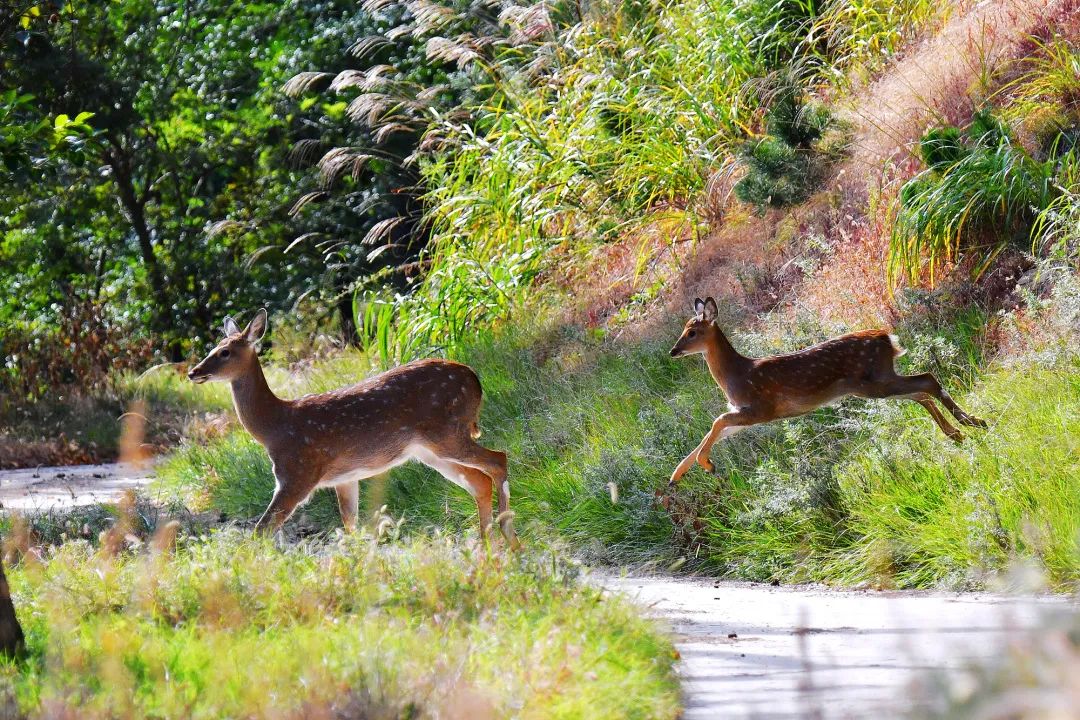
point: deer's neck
(724, 361)
(258, 408)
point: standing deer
(783, 386)
(426, 410)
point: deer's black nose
(675, 351)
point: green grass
(231, 626)
(928, 514)
(869, 491)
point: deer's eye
(692, 333)
(223, 354)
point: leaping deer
(426, 410)
(783, 386)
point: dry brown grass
(944, 78)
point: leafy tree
(156, 219)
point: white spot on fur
(506, 488)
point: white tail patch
(899, 351)
(506, 489)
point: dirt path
(755, 651)
(55, 488)
(748, 651)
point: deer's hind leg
(348, 499)
(482, 472)
(493, 464)
(923, 389)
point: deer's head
(233, 355)
(699, 329)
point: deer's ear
(709, 310)
(699, 306)
(230, 327)
(256, 328)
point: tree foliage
(155, 215)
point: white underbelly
(367, 471)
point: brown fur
(425, 410)
(782, 386)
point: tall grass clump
(348, 628)
(1056, 231)
(1044, 100)
(980, 192)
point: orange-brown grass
(944, 80)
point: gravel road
(57, 488)
(756, 651)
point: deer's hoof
(976, 422)
(707, 465)
(957, 438)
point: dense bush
(784, 166)
(981, 191)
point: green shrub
(784, 167)
(980, 192)
(942, 148)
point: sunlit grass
(933, 514)
(232, 626)
(594, 428)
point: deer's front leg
(684, 466)
(726, 424)
(700, 454)
(287, 495)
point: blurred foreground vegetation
(347, 626)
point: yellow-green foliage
(235, 627)
(625, 115)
